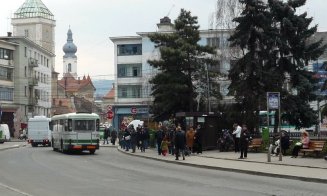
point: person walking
(190, 139)
(127, 139)
(113, 135)
(159, 137)
(171, 139)
(105, 135)
(134, 138)
(164, 146)
(180, 142)
(237, 133)
(244, 142)
(198, 140)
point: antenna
(170, 9)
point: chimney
(9, 34)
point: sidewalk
(305, 169)
(12, 144)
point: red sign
(110, 114)
(133, 110)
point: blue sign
(273, 100)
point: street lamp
(208, 89)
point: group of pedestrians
(175, 141)
(132, 138)
(109, 131)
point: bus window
(70, 124)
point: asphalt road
(41, 171)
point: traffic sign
(110, 114)
(133, 110)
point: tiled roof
(110, 94)
(70, 84)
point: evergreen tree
(274, 42)
(181, 58)
(295, 51)
(248, 78)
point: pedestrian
(142, 138)
(244, 142)
(171, 139)
(198, 140)
(127, 139)
(105, 135)
(237, 133)
(190, 138)
(164, 146)
(113, 135)
(159, 137)
(147, 136)
(180, 143)
(304, 143)
(285, 142)
(134, 138)
(121, 138)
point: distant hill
(102, 87)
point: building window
(47, 62)
(6, 54)
(25, 91)
(129, 70)
(6, 73)
(129, 91)
(213, 42)
(6, 94)
(25, 71)
(129, 49)
(69, 67)
(26, 33)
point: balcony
(32, 81)
(32, 63)
(32, 101)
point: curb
(284, 176)
(12, 147)
(228, 159)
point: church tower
(34, 21)
(70, 59)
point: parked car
(5, 132)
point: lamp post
(208, 89)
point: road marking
(15, 190)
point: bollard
(269, 153)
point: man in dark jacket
(180, 142)
(105, 135)
(244, 142)
(159, 136)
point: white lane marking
(15, 190)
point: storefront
(125, 114)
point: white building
(133, 72)
(32, 64)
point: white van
(39, 131)
(5, 132)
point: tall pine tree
(274, 41)
(181, 58)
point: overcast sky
(94, 21)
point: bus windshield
(84, 125)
